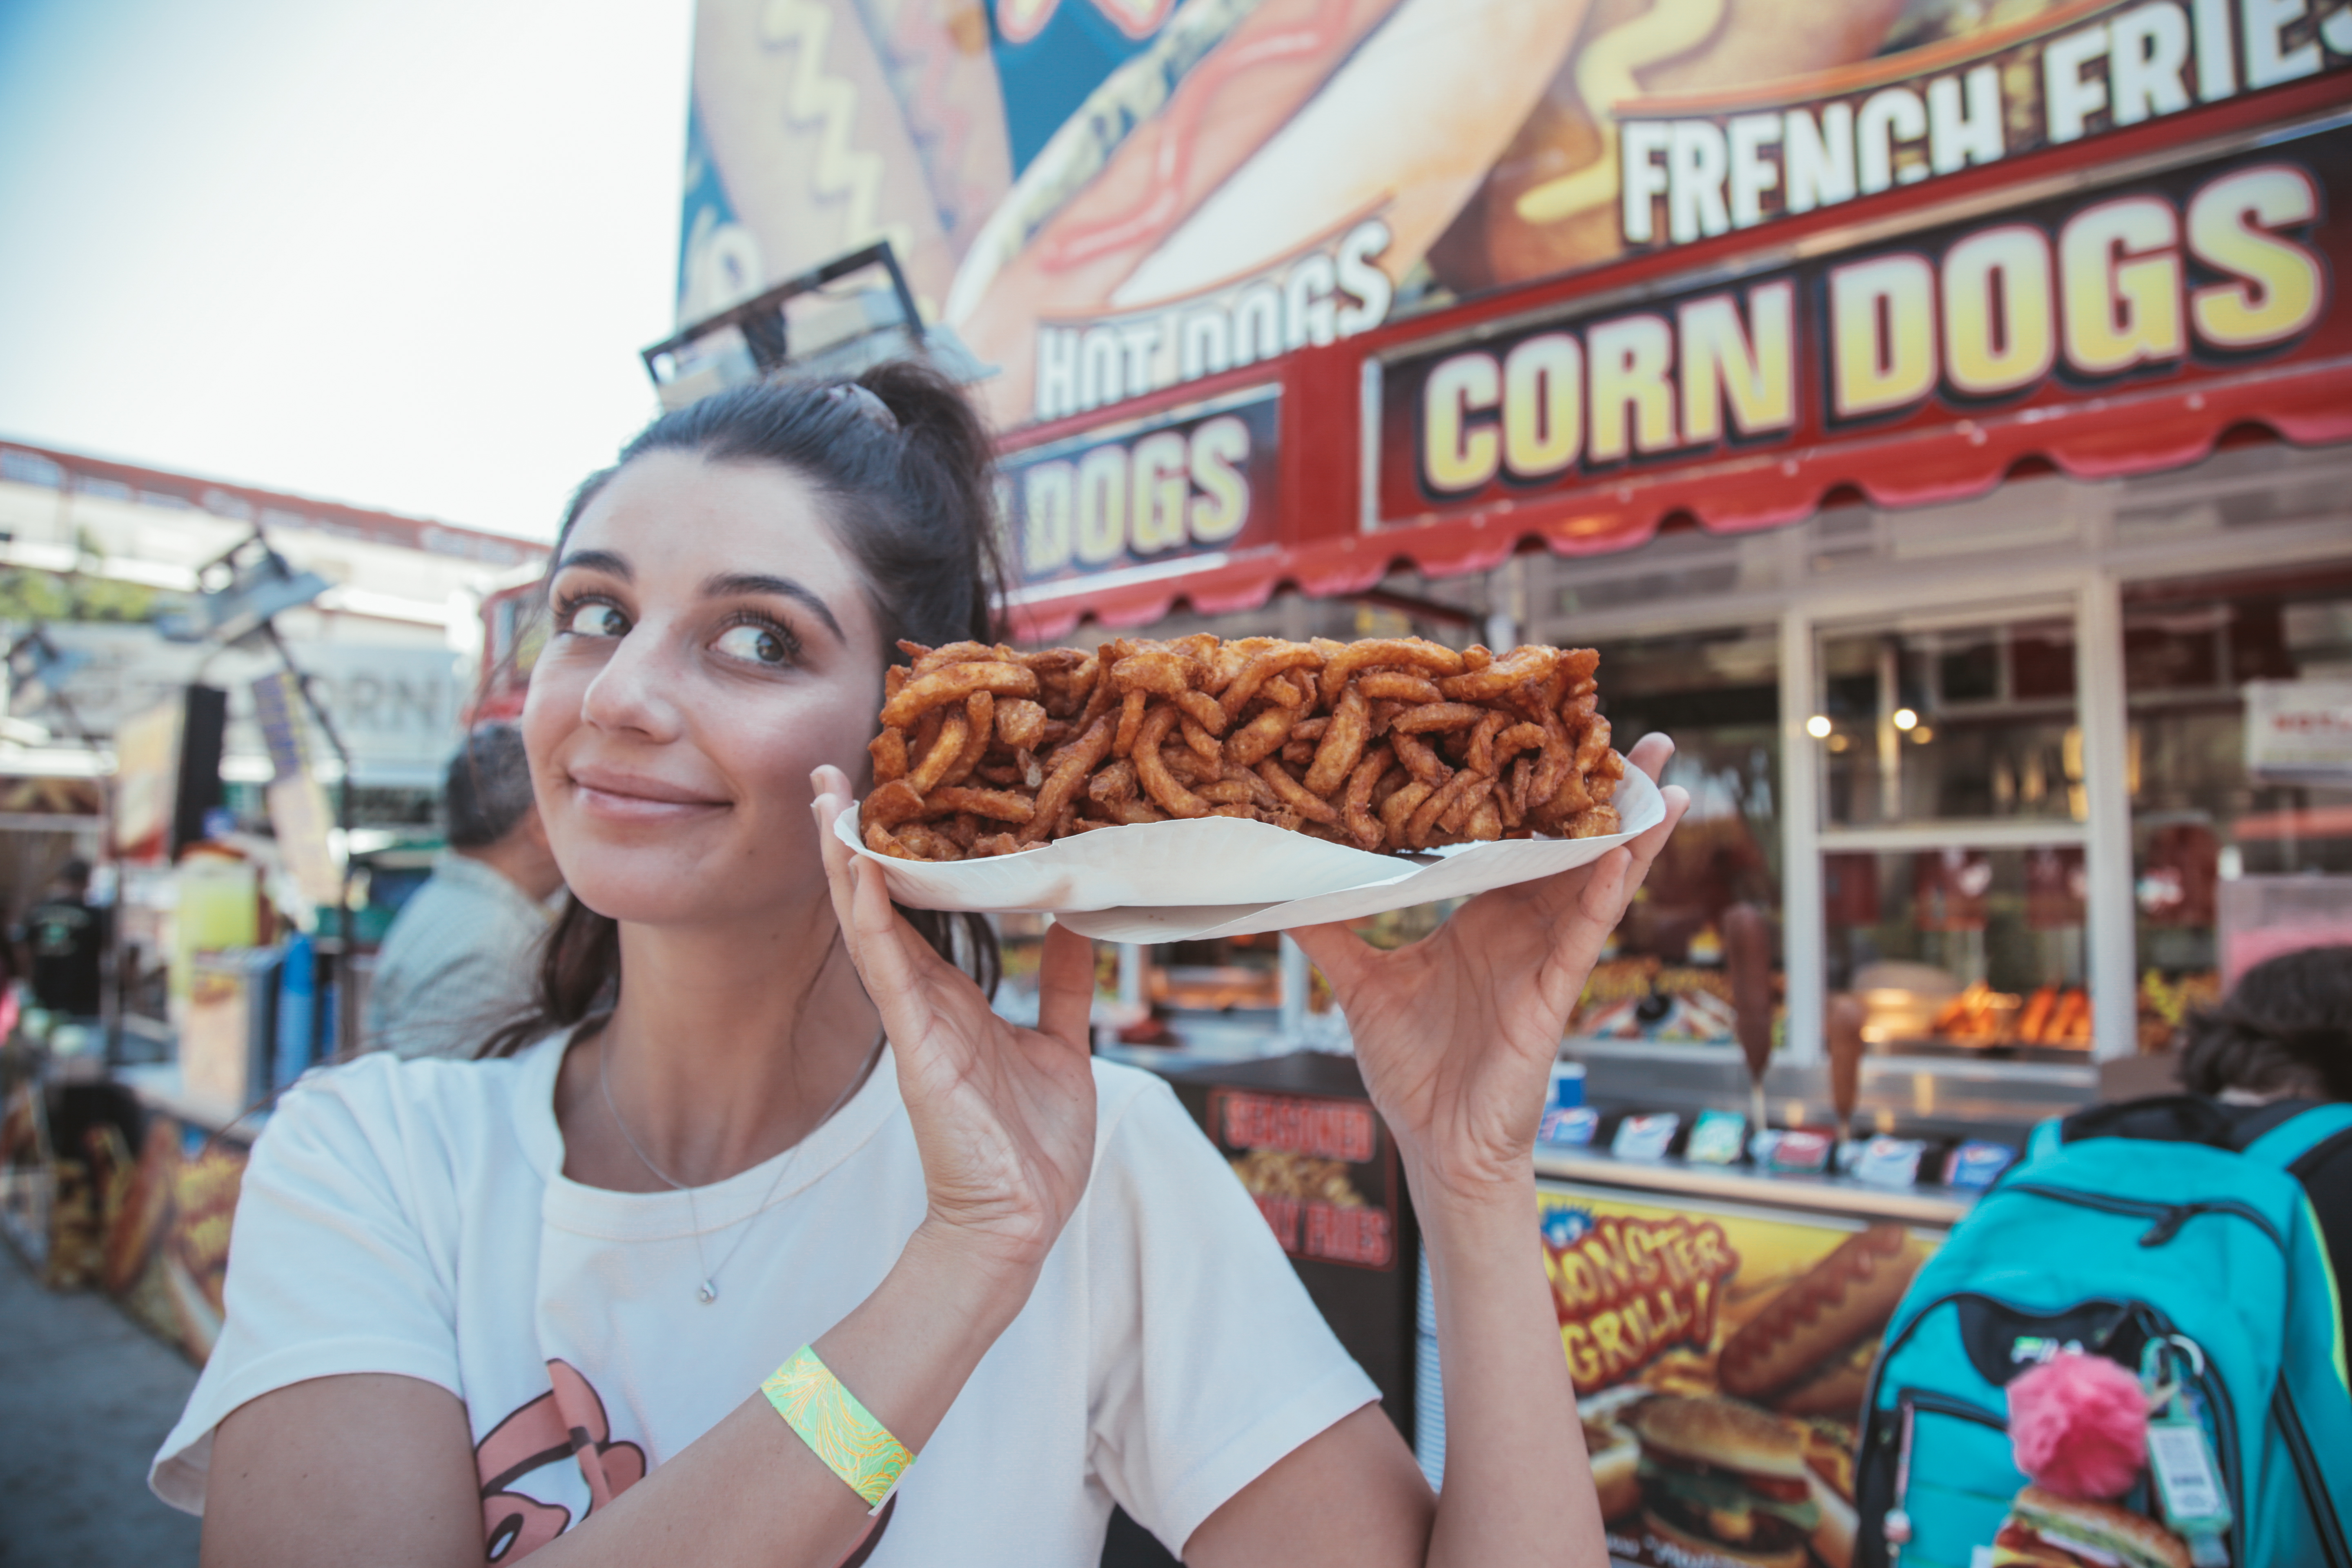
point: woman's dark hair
(2286, 1028)
(907, 471)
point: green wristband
(837, 1429)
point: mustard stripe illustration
(835, 1427)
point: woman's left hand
(1456, 1034)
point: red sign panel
(1137, 499)
(1974, 331)
(1318, 1169)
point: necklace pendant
(707, 1293)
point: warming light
(1904, 719)
(1818, 726)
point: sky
(400, 256)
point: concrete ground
(84, 1400)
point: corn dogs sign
(2191, 276)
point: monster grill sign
(2191, 276)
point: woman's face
(712, 644)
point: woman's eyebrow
(603, 560)
(732, 584)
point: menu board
(1721, 1353)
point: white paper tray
(1218, 876)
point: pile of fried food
(1390, 743)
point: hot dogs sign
(1108, 197)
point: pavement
(85, 1398)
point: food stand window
(1960, 734)
(1717, 692)
(2241, 763)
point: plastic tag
(2188, 1486)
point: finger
(1652, 753)
(831, 793)
(1066, 988)
(1646, 848)
(1342, 955)
(891, 958)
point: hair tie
(862, 401)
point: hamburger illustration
(1726, 1481)
(2046, 1530)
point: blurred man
(460, 957)
(63, 937)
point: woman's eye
(754, 644)
(594, 620)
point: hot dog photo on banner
(1721, 1355)
(1106, 198)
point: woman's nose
(635, 691)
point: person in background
(2281, 1042)
(457, 961)
(63, 939)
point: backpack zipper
(2166, 1218)
(2308, 1474)
(1944, 1405)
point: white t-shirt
(413, 1218)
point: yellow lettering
(1881, 339)
(1999, 324)
(2121, 278)
(1755, 370)
(1048, 492)
(1454, 453)
(1219, 448)
(1543, 405)
(2277, 288)
(1583, 1364)
(1160, 492)
(1101, 530)
(1608, 1342)
(1630, 359)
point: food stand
(1936, 416)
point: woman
(532, 1299)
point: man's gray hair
(489, 787)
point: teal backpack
(2122, 1224)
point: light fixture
(1904, 719)
(1818, 726)
(1922, 735)
(238, 595)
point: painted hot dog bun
(1551, 203)
(1846, 1297)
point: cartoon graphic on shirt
(568, 1422)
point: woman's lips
(621, 796)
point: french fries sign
(2187, 276)
(1131, 498)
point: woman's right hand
(1003, 1117)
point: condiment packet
(1716, 1137)
(1803, 1150)
(1645, 1137)
(1569, 1126)
(1975, 1164)
(1888, 1162)
(1219, 876)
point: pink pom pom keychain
(2079, 1425)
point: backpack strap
(2291, 1140)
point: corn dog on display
(1392, 745)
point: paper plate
(1217, 876)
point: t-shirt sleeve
(331, 1268)
(1210, 1362)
